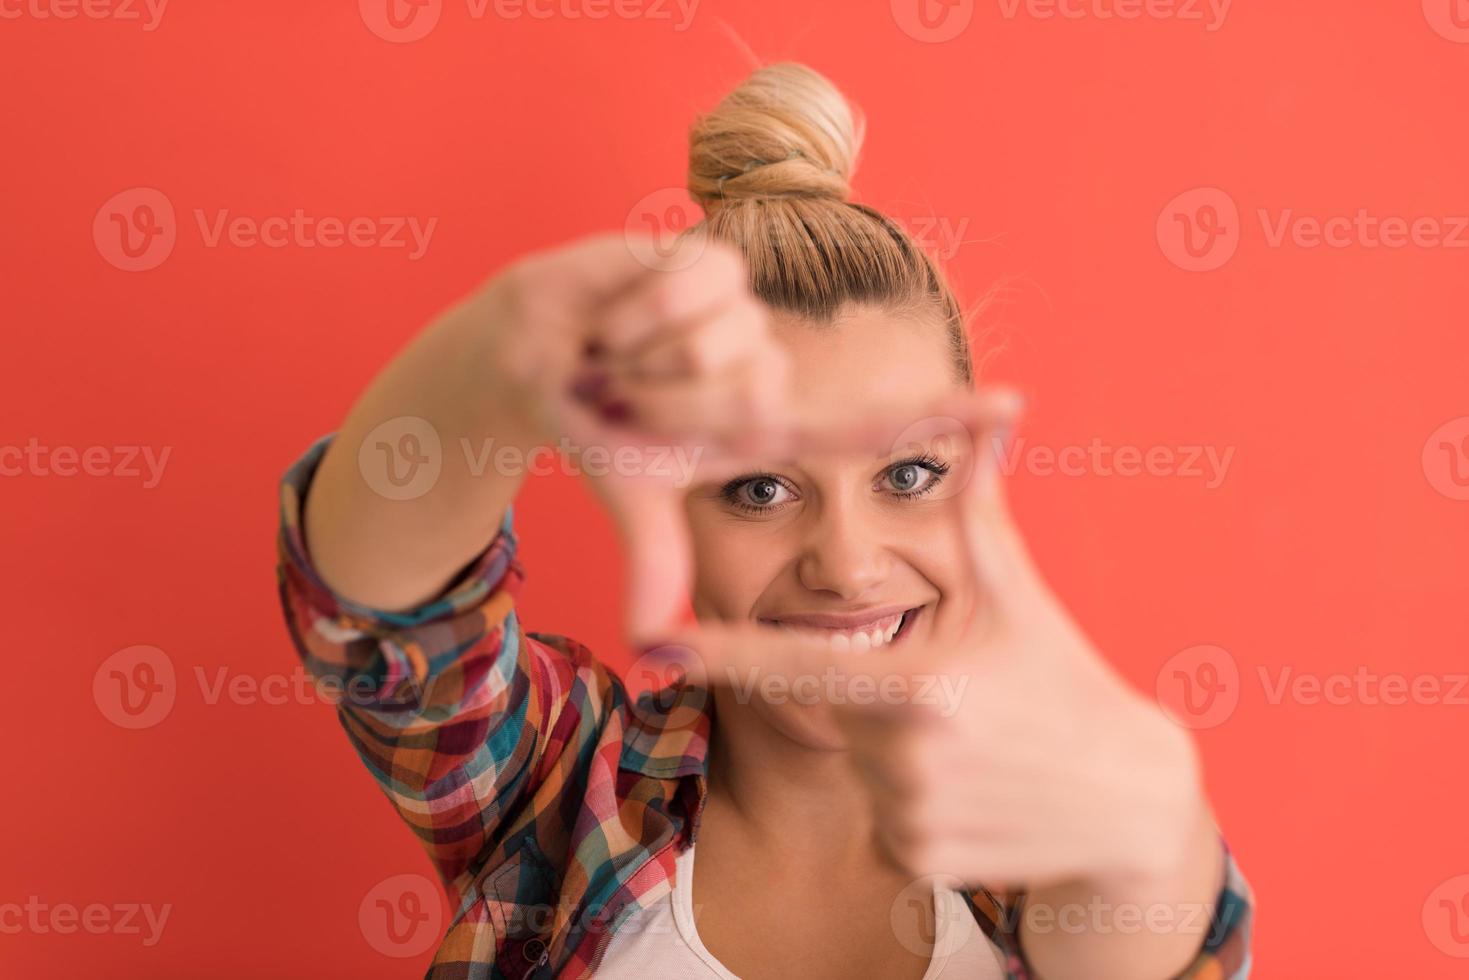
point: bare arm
(396, 553)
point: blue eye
(907, 477)
(915, 477)
(757, 493)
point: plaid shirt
(552, 806)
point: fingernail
(615, 411)
(666, 653)
(590, 385)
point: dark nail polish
(590, 385)
(669, 655)
(615, 412)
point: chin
(811, 726)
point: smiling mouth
(858, 637)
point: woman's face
(855, 547)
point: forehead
(867, 357)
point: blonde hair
(771, 166)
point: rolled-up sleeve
(1224, 953)
(441, 702)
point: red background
(1327, 548)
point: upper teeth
(859, 640)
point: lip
(839, 621)
(857, 631)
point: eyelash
(928, 461)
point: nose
(842, 554)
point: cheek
(933, 549)
(734, 563)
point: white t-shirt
(661, 943)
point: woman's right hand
(603, 343)
(608, 344)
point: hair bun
(784, 132)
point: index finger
(731, 655)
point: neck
(783, 795)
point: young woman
(1048, 823)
